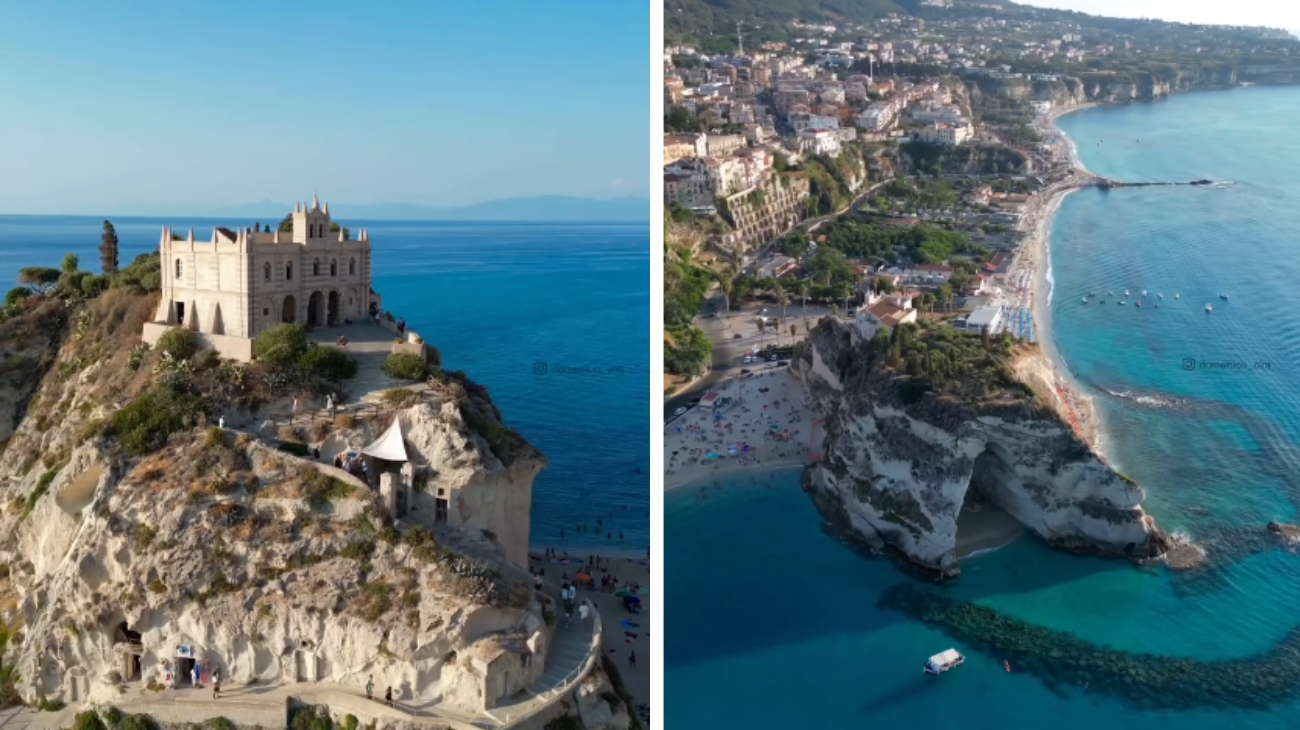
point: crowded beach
(756, 420)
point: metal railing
(543, 700)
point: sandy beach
(620, 640)
(1029, 287)
(766, 426)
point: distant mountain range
(541, 208)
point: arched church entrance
(289, 310)
(315, 309)
(333, 309)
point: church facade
(242, 282)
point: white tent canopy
(390, 446)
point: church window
(334, 267)
(315, 267)
(266, 271)
(352, 267)
(288, 272)
(178, 269)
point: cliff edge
(137, 537)
(925, 425)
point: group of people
(196, 678)
(370, 691)
(747, 430)
(354, 465)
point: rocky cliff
(130, 527)
(919, 426)
(1116, 87)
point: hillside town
(891, 168)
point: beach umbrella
(582, 578)
(623, 593)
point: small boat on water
(1157, 305)
(1126, 292)
(1144, 292)
(1123, 302)
(1223, 297)
(1137, 304)
(943, 661)
(1162, 296)
(1085, 300)
(1175, 295)
(1208, 309)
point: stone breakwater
(1140, 681)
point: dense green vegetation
(328, 363)
(711, 24)
(941, 359)
(164, 409)
(686, 349)
(405, 366)
(923, 243)
(280, 346)
(178, 343)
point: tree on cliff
(70, 263)
(108, 250)
(40, 278)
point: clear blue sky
(151, 105)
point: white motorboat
(1162, 296)
(1144, 292)
(1085, 300)
(1123, 302)
(943, 661)
(1223, 297)
(1126, 292)
(1175, 295)
(1208, 309)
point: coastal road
(728, 349)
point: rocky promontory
(923, 420)
(138, 535)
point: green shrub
(137, 722)
(15, 294)
(328, 363)
(147, 422)
(144, 535)
(42, 486)
(219, 723)
(405, 366)
(350, 722)
(281, 345)
(88, 721)
(399, 397)
(360, 550)
(48, 705)
(180, 343)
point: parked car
(745, 371)
(679, 411)
(782, 363)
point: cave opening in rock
(983, 523)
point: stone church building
(242, 281)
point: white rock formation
(901, 471)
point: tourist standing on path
(370, 688)
(194, 676)
(631, 659)
(583, 610)
(216, 684)
(388, 697)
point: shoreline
(765, 427)
(1072, 401)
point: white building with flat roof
(989, 318)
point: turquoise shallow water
(772, 624)
(495, 299)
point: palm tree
(793, 333)
(782, 299)
(726, 284)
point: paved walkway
(565, 664)
(16, 718)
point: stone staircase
(566, 665)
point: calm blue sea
(772, 624)
(495, 299)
